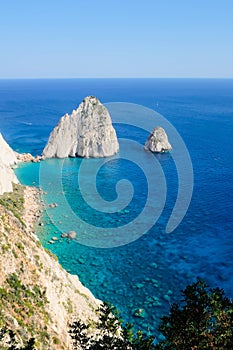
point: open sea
(148, 266)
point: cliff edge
(7, 159)
(38, 298)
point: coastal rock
(7, 155)
(7, 175)
(7, 179)
(158, 141)
(87, 132)
(27, 157)
(64, 235)
(72, 235)
(36, 292)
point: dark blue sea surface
(149, 272)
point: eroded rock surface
(87, 132)
(158, 141)
(7, 159)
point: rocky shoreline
(33, 208)
(28, 157)
(47, 299)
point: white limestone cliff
(87, 132)
(158, 141)
(7, 159)
(7, 155)
(46, 299)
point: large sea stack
(86, 132)
(158, 141)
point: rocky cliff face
(37, 297)
(7, 159)
(86, 132)
(7, 155)
(158, 141)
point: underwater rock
(139, 313)
(64, 235)
(72, 235)
(166, 297)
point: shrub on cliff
(112, 333)
(203, 320)
(8, 341)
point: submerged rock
(64, 235)
(72, 235)
(139, 313)
(158, 141)
(86, 132)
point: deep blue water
(149, 272)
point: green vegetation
(56, 341)
(14, 202)
(8, 341)
(51, 254)
(68, 306)
(114, 335)
(203, 320)
(5, 248)
(24, 302)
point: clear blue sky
(116, 38)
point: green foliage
(109, 318)
(56, 340)
(14, 201)
(112, 333)
(25, 302)
(51, 254)
(143, 342)
(5, 248)
(203, 320)
(68, 306)
(11, 343)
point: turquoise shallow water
(149, 272)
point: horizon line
(73, 78)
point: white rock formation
(158, 141)
(86, 132)
(7, 159)
(7, 155)
(7, 178)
